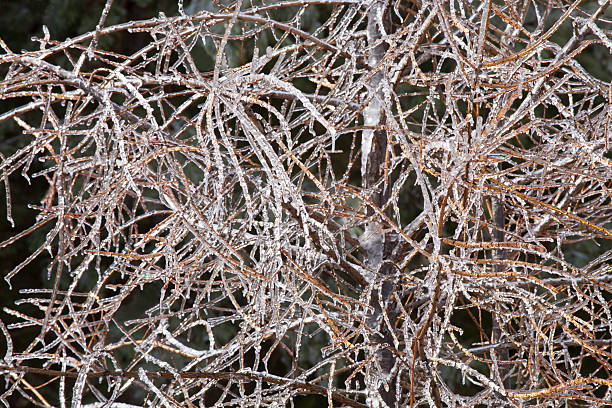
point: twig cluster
(380, 209)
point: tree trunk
(377, 242)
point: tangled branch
(383, 208)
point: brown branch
(306, 388)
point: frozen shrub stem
(380, 203)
